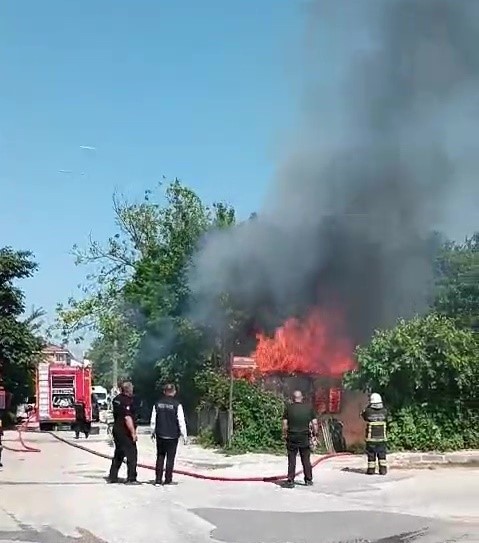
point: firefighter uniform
(125, 446)
(375, 416)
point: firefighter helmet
(375, 398)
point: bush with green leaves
(427, 370)
(257, 413)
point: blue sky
(210, 91)
(204, 91)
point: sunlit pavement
(60, 496)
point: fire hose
(194, 475)
(26, 448)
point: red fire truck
(58, 387)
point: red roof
(51, 348)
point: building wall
(351, 405)
(353, 426)
(55, 354)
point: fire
(315, 345)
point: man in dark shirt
(298, 419)
(167, 425)
(124, 435)
(81, 423)
(375, 416)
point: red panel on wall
(334, 406)
(321, 400)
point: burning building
(311, 355)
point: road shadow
(355, 470)
(252, 526)
(46, 534)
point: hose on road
(26, 448)
(195, 475)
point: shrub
(256, 413)
(413, 428)
(427, 370)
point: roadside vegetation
(137, 290)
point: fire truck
(58, 387)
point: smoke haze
(350, 214)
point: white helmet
(375, 398)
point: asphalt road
(60, 496)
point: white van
(101, 394)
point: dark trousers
(376, 452)
(81, 426)
(165, 449)
(304, 451)
(125, 447)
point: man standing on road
(167, 425)
(375, 416)
(297, 420)
(124, 435)
(81, 424)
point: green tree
(457, 293)
(172, 347)
(35, 320)
(20, 345)
(138, 288)
(428, 372)
(107, 347)
(101, 309)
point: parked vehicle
(101, 394)
(58, 387)
(95, 409)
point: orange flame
(315, 345)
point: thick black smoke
(349, 218)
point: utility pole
(114, 372)
(229, 436)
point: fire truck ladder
(43, 392)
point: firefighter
(375, 416)
(81, 423)
(167, 425)
(124, 435)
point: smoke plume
(349, 217)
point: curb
(425, 460)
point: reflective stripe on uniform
(373, 428)
(383, 462)
(371, 464)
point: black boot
(370, 471)
(383, 470)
